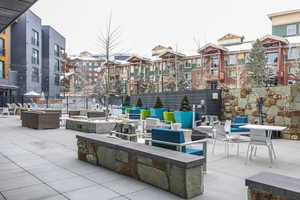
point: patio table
(266, 128)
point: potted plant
(139, 103)
(185, 114)
(126, 104)
(126, 101)
(158, 110)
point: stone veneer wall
(281, 106)
(183, 181)
(270, 186)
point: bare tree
(108, 41)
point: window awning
(10, 10)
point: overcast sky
(147, 23)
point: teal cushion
(193, 151)
(234, 130)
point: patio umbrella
(32, 94)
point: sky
(147, 23)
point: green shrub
(139, 102)
(158, 103)
(126, 101)
(185, 105)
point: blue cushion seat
(235, 130)
(135, 114)
(237, 125)
(173, 136)
(193, 151)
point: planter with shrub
(185, 115)
(158, 110)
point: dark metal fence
(172, 100)
(64, 103)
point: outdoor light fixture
(215, 96)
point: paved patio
(43, 165)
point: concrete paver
(42, 164)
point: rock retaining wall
(281, 107)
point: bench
(176, 172)
(269, 186)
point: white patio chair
(222, 133)
(260, 138)
(5, 111)
(12, 108)
(152, 123)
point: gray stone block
(153, 176)
(144, 160)
(122, 156)
(107, 157)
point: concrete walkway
(43, 165)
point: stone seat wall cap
(276, 183)
(170, 156)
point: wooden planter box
(74, 113)
(41, 120)
(91, 114)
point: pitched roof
(229, 36)
(160, 47)
(283, 13)
(172, 52)
(274, 37)
(138, 57)
(214, 46)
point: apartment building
(225, 64)
(7, 77)
(37, 56)
(83, 72)
(53, 53)
(26, 49)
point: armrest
(194, 142)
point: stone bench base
(178, 173)
(269, 186)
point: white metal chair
(5, 111)
(12, 108)
(260, 138)
(152, 123)
(222, 133)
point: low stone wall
(178, 173)
(281, 106)
(269, 186)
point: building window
(293, 53)
(291, 29)
(232, 73)
(57, 67)
(214, 63)
(56, 50)
(35, 38)
(271, 58)
(35, 74)
(56, 79)
(213, 85)
(1, 69)
(2, 47)
(292, 70)
(232, 60)
(188, 64)
(35, 57)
